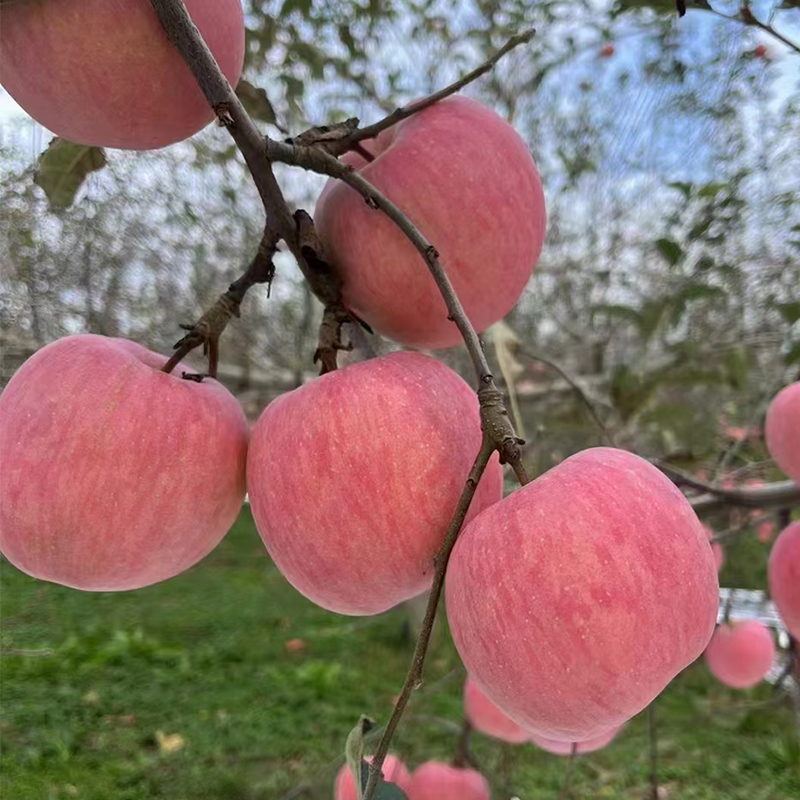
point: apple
(487, 718)
(102, 72)
(716, 548)
(565, 748)
(576, 599)
(782, 430)
(393, 771)
(353, 479)
(467, 181)
(115, 475)
(740, 654)
(784, 577)
(436, 781)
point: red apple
(740, 654)
(565, 748)
(436, 781)
(114, 474)
(782, 430)
(393, 770)
(784, 577)
(575, 600)
(465, 178)
(487, 718)
(353, 479)
(102, 72)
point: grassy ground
(186, 690)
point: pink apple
(115, 475)
(575, 600)
(716, 548)
(487, 718)
(565, 748)
(466, 179)
(393, 770)
(782, 430)
(102, 72)
(436, 781)
(784, 577)
(766, 532)
(740, 654)
(354, 477)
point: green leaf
(303, 6)
(793, 356)
(63, 167)
(737, 366)
(790, 311)
(670, 250)
(711, 190)
(384, 790)
(257, 104)
(354, 751)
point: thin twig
(574, 384)
(414, 677)
(208, 329)
(351, 141)
(571, 759)
(464, 755)
(745, 17)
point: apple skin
(353, 479)
(565, 748)
(102, 72)
(782, 430)
(467, 181)
(740, 654)
(487, 718)
(576, 599)
(115, 475)
(436, 781)
(393, 770)
(784, 577)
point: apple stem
(464, 755)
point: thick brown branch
(774, 495)
(229, 110)
(414, 677)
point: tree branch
(745, 17)
(208, 329)
(351, 141)
(297, 231)
(183, 33)
(414, 677)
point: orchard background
(663, 314)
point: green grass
(202, 657)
